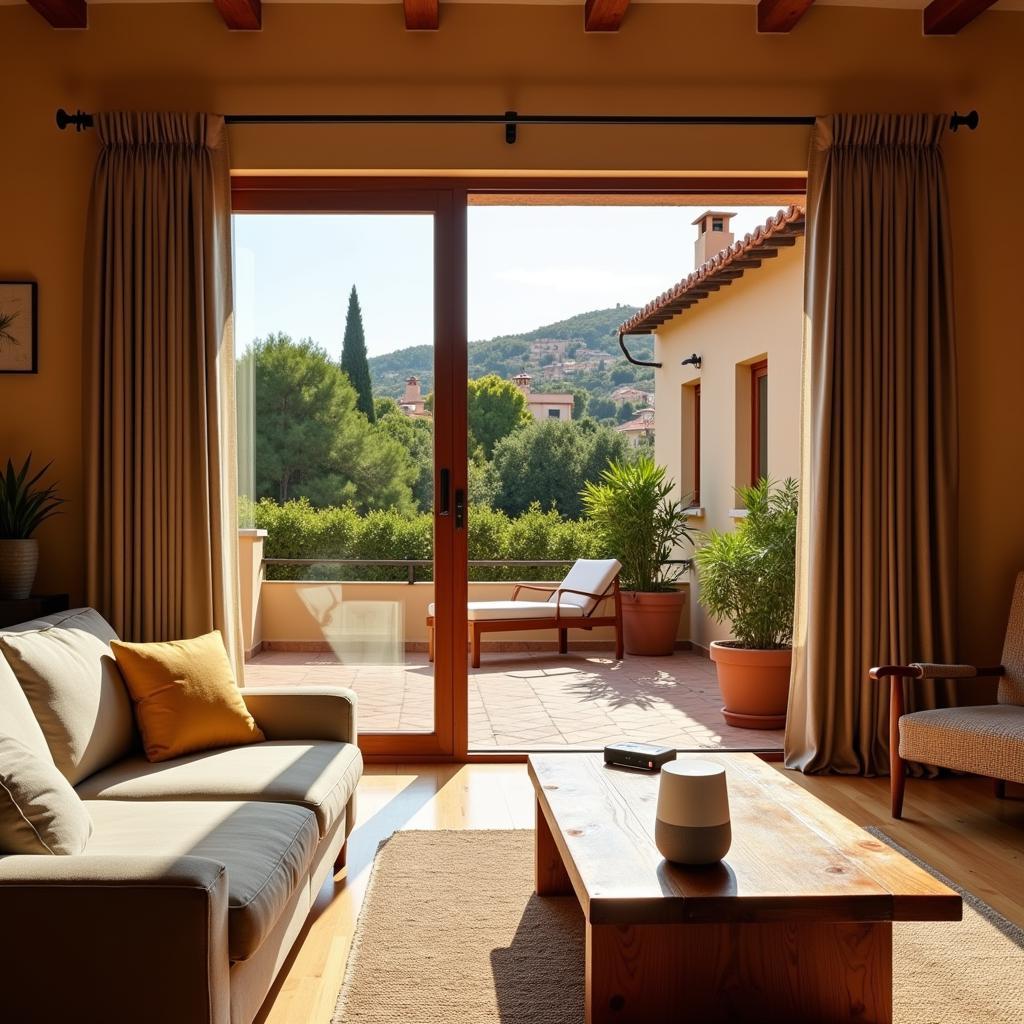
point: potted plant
(640, 525)
(748, 578)
(23, 506)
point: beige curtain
(876, 577)
(162, 559)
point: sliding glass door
(355, 491)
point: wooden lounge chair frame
(563, 623)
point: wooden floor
(956, 825)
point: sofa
(199, 872)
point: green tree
(601, 408)
(548, 463)
(496, 409)
(580, 401)
(353, 357)
(416, 436)
(309, 438)
(626, 412)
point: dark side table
(13, 612)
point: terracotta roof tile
(763, 243)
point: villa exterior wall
(758, 316)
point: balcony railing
(410, 566)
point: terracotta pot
(18, 562)
(650, 622)
(754, 685)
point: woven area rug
(452, 933)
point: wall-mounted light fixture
(693, 360)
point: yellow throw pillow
(185, 696)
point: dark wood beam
(947, 17)
(780, 15)
(241, 15)
(421, 14)
(604, 15)
(63, 13)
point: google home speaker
(692, 826)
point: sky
(528, 266)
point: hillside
(506, 355)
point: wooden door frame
(342, 193)
(447, 206)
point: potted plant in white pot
(23, 506)
(642, 526)
(748, 578)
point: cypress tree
(353, 357)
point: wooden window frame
(451, 553)
(696, 445)
(758, 372)
(299, 193)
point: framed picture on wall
(19, 330)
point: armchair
(983, 739)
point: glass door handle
(444, 489)
(460, 509)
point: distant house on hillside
(631, 393)
(543, 406)
(412, 402)
(553, 347)
(639, 430)
(734, 418)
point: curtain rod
(512, 119)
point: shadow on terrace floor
(537, 699)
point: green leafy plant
(638, 522)
(23, 506)
(748, 577)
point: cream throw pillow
(39, 811)
(65, 668)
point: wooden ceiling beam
(604, 15)
(947, 17)
(241, 15)
(63, 13)
(780, 15)
(421, 15)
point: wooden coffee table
(795, 925)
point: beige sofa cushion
(16, 717)
(66, 670)
(266, 848)
(986, 740)
(319, 775)
(39, 811)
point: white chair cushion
(479, 611)
(592, 576)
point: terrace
(370, 635)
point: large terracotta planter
(650, 622)
(18, 562)
(754, 685)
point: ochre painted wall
(758, 316)
(532, 58)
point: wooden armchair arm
(933, 670)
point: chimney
(412, 392)
(523, 382)
(713, 235)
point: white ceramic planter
(18, 562)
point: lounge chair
(573, 604)
(986, 739)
